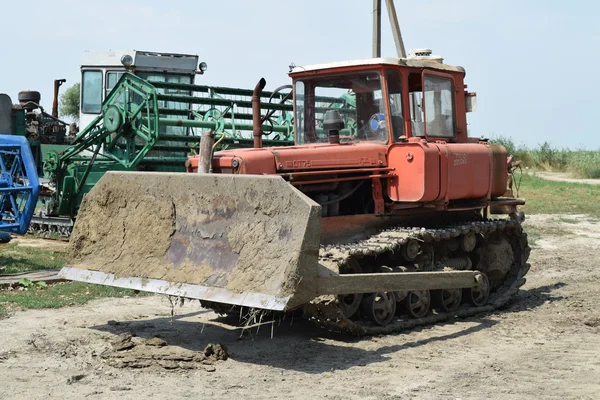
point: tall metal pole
(395, 28)
(376, 28)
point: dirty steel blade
(223, 238)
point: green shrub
(585, 164)
(581, 163)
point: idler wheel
(417, 303)
(479, 295)
(447, 300)
(350, 303)
(379, 307)
(411, 250)
(468, 242)
(498, 259)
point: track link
(325, 311)
(51, 227)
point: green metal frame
(147, 125)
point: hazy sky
(519, 54)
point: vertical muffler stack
(256, 113)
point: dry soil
(545, 344)
(565, 177)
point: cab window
(355, 98)
(111, 80)
(91, 92)
(439, 107)
(415, 104)
(394, 87)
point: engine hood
(272, 160)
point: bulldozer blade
(236, 239)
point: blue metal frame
(19, 184)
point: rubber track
(325, 312)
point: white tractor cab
(101, 70)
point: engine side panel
(426, 172)
(326, 156)
(417, 170)
(468, 167)
(249, 161)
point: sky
(519, 54)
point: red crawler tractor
(376, 220)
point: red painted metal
(328, 180)
(293, 175)
(330, 156)
(378, 197)
(408, 174)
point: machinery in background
(44, 132)
(19, 184)
(158, 134)
(153, 126)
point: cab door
(416, 163)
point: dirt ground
(565, 177)
(545, 344)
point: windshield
(356, 96)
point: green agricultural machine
(155, 126)
(141, 112)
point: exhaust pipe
(206, 146)
(57, 84)
(256, 117)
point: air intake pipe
(256, 117)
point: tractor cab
(382, 100)
(101, 70)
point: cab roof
(147, 60)
(421, 62)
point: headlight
(202, 66)
(127, 60)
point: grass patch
(15, 258)
(45, 235)
(56, 296)
(549, 197)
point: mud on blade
(243, 240)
